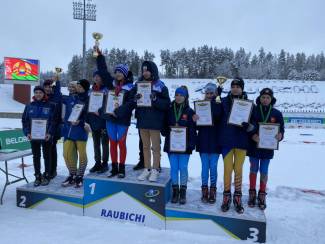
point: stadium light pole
(84, 12)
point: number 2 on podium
(92, 187)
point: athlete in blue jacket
(40, 108)
(260, 158)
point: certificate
(95, 101)
(177, 139)
(38, 129)
(144, 88)
(203, 110)
(113, 102)
(267, 133)
(240, 112)
(63, 109)
(76, 112)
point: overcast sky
(45, 30)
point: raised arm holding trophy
(97, 36)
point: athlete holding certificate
(260, 157)
(180, 142)
(234, 141)
(39, 126)
(118, 119)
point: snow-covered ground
(293, 215)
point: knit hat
(47, 83)
(239, 82)
(39, 88)
(152, 68)
(266, 91)
(84, 83)
(181, 91)
(97, 72)
(210, 87)
(122, 68)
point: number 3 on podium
(253, 236)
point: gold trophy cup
(97, 36)
(220, 81)
(58, 70)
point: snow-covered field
(293, 216)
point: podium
(52, 197)
(128, 200)
(205, 218)
(144, 203)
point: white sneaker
(144, 175)
(154, 175)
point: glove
(153, 96)
(248, 127)
(138, 96)
(245, 125)
(87, 127)
(219, 90)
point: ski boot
(238, 203)
(226, 201)
(114, 170)
(69, 181)
(261, 200)
(182, 195)
(205, 194)
(252, 198)
(213, 194)
(175, 196)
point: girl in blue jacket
(234, 141)
(260, 158)
(76, 135)
(180, 114)
(117, 124)
(208, 147)
(40, 108)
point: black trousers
(141, 158)
(36, 150)
(100, 139)
(53, 157)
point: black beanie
(239, 82)
(85, 84)
(47, 83)
(266, 91)
(39, 88)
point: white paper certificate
(203, 110)
(113, 101)
(63, 109)
(95, 101)
(240, 112)
(267, 134)
(75, 113)
(38, 129)
(144, 88)
(177, 139)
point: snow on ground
(293, 216)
